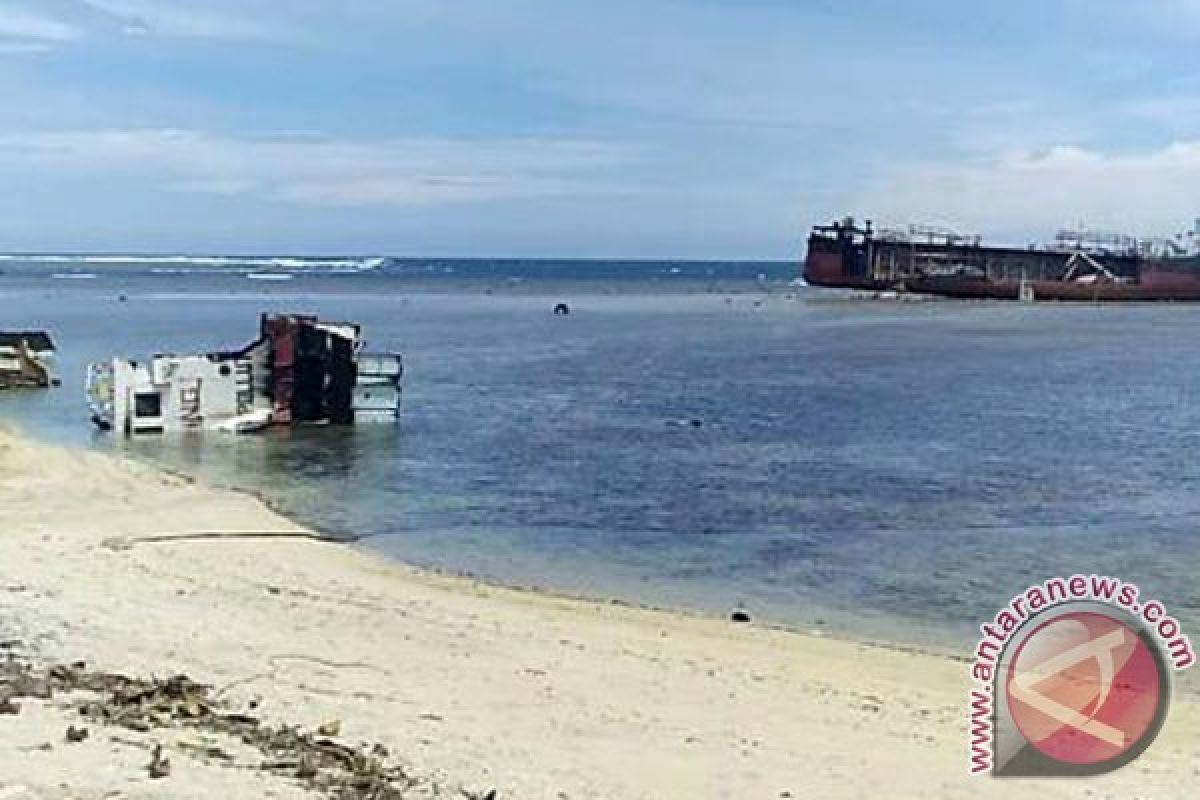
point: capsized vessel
(25, 359)
(299, 370)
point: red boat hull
(848, 256)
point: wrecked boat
(25, 359)
(1079, 266)
(299, 370)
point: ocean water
(693, 435)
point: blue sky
(659, 128)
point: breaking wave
(182, 264)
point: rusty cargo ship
(1080, 266)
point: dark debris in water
(316, 760)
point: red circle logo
(1086, 688)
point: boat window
(147, 404)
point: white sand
(537, 696)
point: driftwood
(316, 760)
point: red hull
(845, 255)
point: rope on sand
(127, 542)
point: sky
(717, 129)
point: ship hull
(846, 256)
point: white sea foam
(182, 263)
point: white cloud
(164, 18)
(29, 27)
(1146, 193)
(25, 30)
(11, 47)
(312, 170)
(1178, 112)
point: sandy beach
(469, 687)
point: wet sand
(467, 685)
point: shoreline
(822, 626)
(469, 684)
(817, 629)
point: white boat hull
(298, 371)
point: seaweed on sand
(319, 762)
